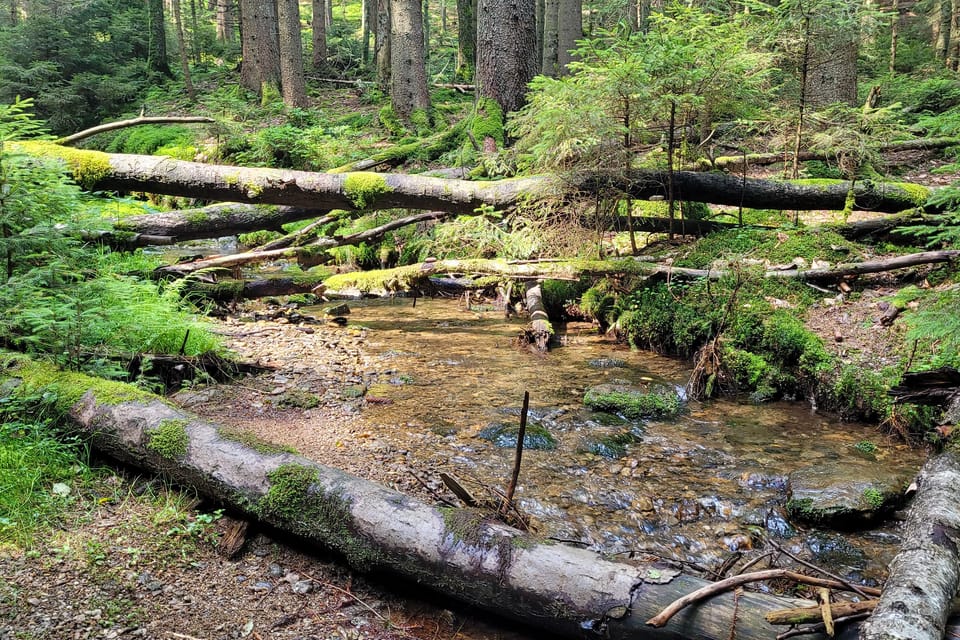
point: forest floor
(136, 558)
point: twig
(430, 489)
(862, 591)
(518, 456)
(715, 588)
(387, 622)
(762, 556)
(183, 636)
(819, 627)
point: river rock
(847, 494)
(505, 435)
(649, 401)
(337, 310)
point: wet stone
(845, 495)
(505, 435)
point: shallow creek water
(695, 488)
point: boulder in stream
(846, 494)
(635, 402)
(505, 435)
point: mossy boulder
(614, 445)
(845, 495)
(505, 435)
(633, 402)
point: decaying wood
(133, 122)
(764, 159)
(805, 615)
(313, 248)
(936, 387)
(367, 191)
(925, 574)
(722, 586)
(231, 290)
(560, 590)
(539, 332)
(126, 240)
(215, 221)
(233, 538)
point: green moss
(614, 445)
(296, 501)
(658, 403)
(295, 398)
(389, 121)
(169, 439)
(488, 121)
(257, 238)
(87, 167)
(364, 187)
(918, 193)
(421, 121)
(249, 439)
(803, 509)
(67, 387)
(873, 497)
(196, 216)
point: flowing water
(696, 487)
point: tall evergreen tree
(408, 72)
(291, 54)
(157, 58)
(319, 25)
(260, 40)
(506, 55)
(466, 39)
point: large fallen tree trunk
(925, 574)
(461, 553)
(371, 191)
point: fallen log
(133, 122)
(309, 250)
(764, 159)
(540, 330)
(561, 590)
(925, 574)
(230, 290)
(215, 221)
(375, 191)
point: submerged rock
(650, 401)
(847, 494)
(505, 435)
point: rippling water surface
(696, 487)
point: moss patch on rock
(656, 401)
(505, 435)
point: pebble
(302, 587)
(275, 570)
(262, 586)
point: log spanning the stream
(460, 553)
(375, 191)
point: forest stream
(434, 387)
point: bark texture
(260, 45)
(319, 37)
(564, 591)
(369, 191)
(408, 73)
(506, 50)
(215, 221)
(925, 573)
(291, 54)
(569, 30)
(466, 39)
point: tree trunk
(569, 30)
(925, 573)
(215, 221)
(506, 37)
(943, 29)
(291, 54)
(157, 44)
(894, 36)
(383, 44)
(260, 41)
(184, 56)
(461, 553)
(953, 55)
(550, 38)
(832, 70)
(369, 191)
(319, 37)
(408, 72)
(226, 20)
(540, 330)
(466, 39)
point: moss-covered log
(560, 590)
(231, 290)
(925, 574)
(215, 221)
(373, 191)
